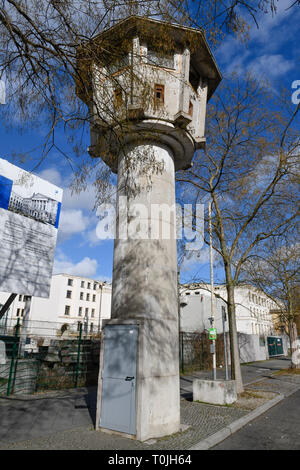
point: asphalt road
(277, 429)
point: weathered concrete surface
(144, 289)
(148, 120)
(216, 392)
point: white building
(38, 206)
(73, 300)
(252, 309)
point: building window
(80, 311)
(91, 327)
(88, 285)
(67, 310)
(86, 312)
(69, 294)
(159, 95)
(22, 313)
(18, 312)
(95, 286)
(94, 298)
(81, 295)
(20, 298)
(191, 109)
(70, 282)
(87, 296)
(82, 284)
(78, 325)
(93, 313)
(161, 59)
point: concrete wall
(252, 348)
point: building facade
(253, 309)
(254, 319)
(38, 206)
(73, 300)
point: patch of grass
(189, 370)
(287, 371)
(211, 404)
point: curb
(219, 436)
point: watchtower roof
(170, 35)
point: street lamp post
(212, 292)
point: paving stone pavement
(202, 420)
(64, 420)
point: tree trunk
(236, 373)
(295, 349)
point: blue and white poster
(29, 218)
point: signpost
(212, 333)
(29, 217)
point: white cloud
(195, 259)
(72, 221)
(270, 65)
(87, 267)
(263, 52)
(51, 175)
(83, 200)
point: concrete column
(145, 283)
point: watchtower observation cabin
(147, 76)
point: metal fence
(48, 356)
(195, 351)
(42, 356)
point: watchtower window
(194, 78)
(117, 64)
(159, 94)
(191, 109)
(160, 59)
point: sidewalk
(64, 420)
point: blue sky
(273, 52)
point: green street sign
(212, 333)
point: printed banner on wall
(29, 217)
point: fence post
(78, 355)
(12, 362)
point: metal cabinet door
(271, 346)
(279, 346)
(119, 378)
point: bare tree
(38, 55)
(275, 268)
(248, 171)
